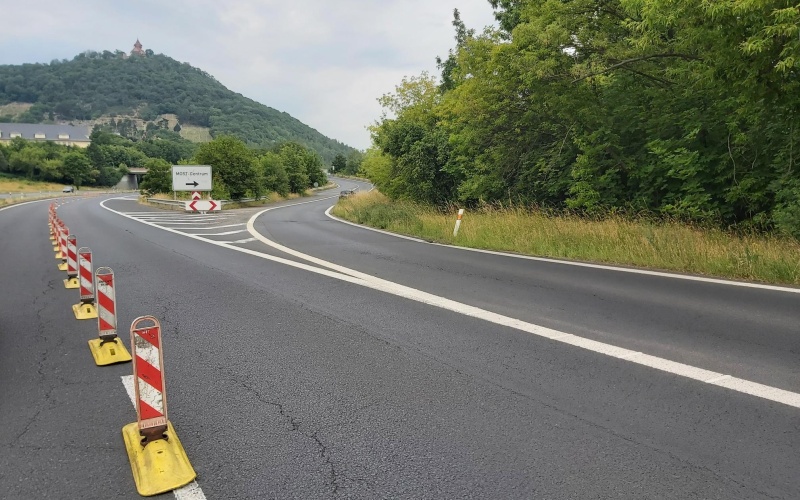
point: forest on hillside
(683, 109)
(96, 84)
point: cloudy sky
(324, 62)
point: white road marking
(247, 240)
(212, 227)
(226, 233)
(191, 491)
(352, 276)
(181, 223)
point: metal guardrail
(16, 197)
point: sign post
(194, 178)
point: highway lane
(749, 333)
(290, 384)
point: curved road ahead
(309, 358)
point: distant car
(68, 189)
(346, 193)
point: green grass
(667, 246)
(11, 184)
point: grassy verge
(22, 185)
(667, 246)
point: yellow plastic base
(72, 283)
(109, 353)
(52, 238)
(84, 311)
(59, 255)
(160, 466)
(63, 266)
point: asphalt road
(290, 377)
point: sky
(325, 62)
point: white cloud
(323, 62)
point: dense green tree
(353, 165)
(158, 178)
(3, 160)
(682, 108)
(339, 164)
(233, 165)
(78, 169)
(273, 174)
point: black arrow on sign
(195, 184)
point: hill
(137, 93)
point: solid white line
(352, 276)
(191, 491)
(218, 234)
(182, 223)
(212, 227)
(247, 240)
(577, 264)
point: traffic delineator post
(108, 349)
(72, 263)
(458, 222)
(61, 254)
(54, 228)
(158, 460)
(51, 216)
(85, 309)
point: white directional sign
(191, 177)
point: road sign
(191, 177)
(203, 206)
(196, 195)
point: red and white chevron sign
(203, 206)
(151, 397)
(86, 275)
(72, 256)
(196, 195)
(106, 303)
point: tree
(158, 178)
(78, 168)
(233, 164)
(273, 175)
(353, 165)
(339, 164)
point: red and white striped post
(108, 348)
(86, 275)
(72, 263)
(85, 309)
(63, 233)
(51, 221)
(458, 222)
(106, 304)
(148, 378)
(158, 460)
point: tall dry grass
(670, 246)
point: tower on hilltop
(137, 49)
